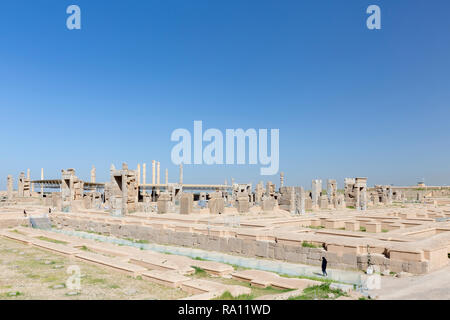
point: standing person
(24, 213)
(49, 210)
(324, 267)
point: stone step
(112, 263)
(167, 278)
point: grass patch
(84, 248)
(199, 259)
(94, 281)
(199, 272)
(350, 207)
(227, 296)
(13, 294)
(384, 230)
(321, 292)
(114, 286)
(306, 244)
(51, 240)
(362, 229)
(316, 227)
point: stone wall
(337, 255)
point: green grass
(227, 296)
(93, 281)
(350, 207)
(324, 280)
(306, 244)
(51, 240)
(362, 229)
(199, 259)
(320, 292)
(199, 272)
(385, 230)
(84, 248)
(316, 227)
(9, 294)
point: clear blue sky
(348, 101)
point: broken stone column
(361, 193)
(216, 203)
(323, 202)
(9, 184)
(167, 176)
(71, 190)
(270, 189)
(186, 203)
(332, 192)
(124, 190)
(281, 179)
(163, 203)
(259, 192)
(267, 204)
(316, 190)
(349, 192)
(340, 201)
(242, 203)
(300, 200)
(24, 186)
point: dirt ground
(31, 273)
(432, 286)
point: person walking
(324, 267)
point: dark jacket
(324, 263)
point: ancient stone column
(163, 202)
(181, 173)
(216, 203)
(158, 173)
(28, 173)
(144, 173)
(9, 184)
(138, 174)
(361, 193)
(316, 189)
(167, 176)
(42, 185)
(153, 171)
(281, 179)
(332, 192)
(301, 198)
(186, 203)
(93, 174)
(20, 184)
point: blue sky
(348, 101)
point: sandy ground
(435, 285)
(31, 273)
